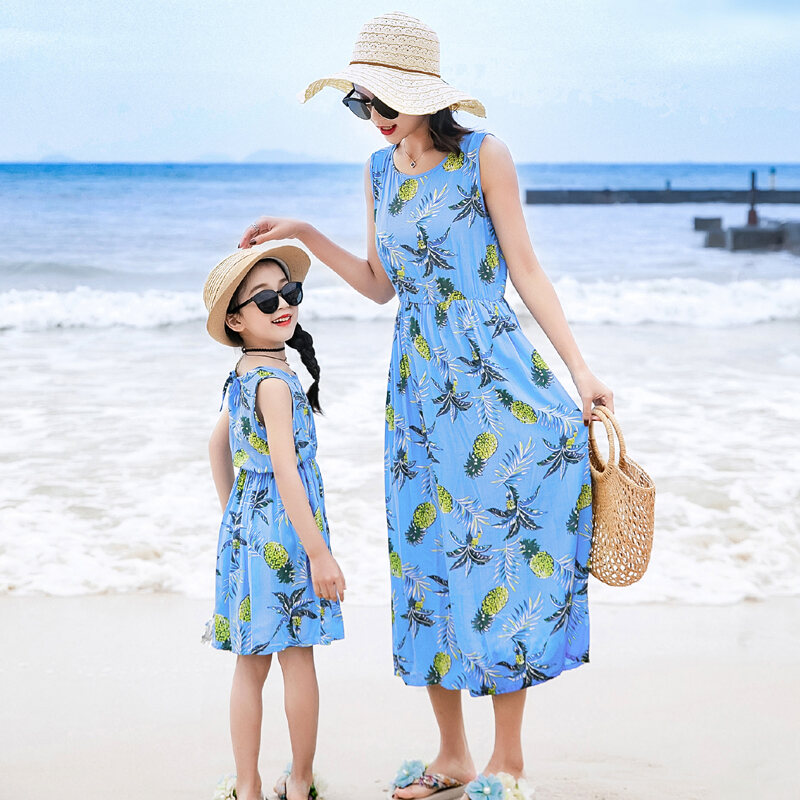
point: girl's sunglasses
(359, 105)
(267, 299)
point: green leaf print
(470, 206)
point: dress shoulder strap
(378, 163)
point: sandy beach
(114, 696)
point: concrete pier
(610, 196)
(708, 223)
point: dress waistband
(407, 299)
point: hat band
(402, 69)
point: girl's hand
(327, 578)
(265, 229)
(592, 391)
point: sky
(562, 80)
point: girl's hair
(300, 340)
(446, 132)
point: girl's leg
(507, 755)
(454, 759)
(248, 683)
(301, 701)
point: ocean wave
(683, 301)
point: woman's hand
(327, 578)
(592, 391)
(265, 229)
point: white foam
(676, 300)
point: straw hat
(396, 57)
(224, 279)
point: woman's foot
(498, 766)
(249, 792)
(460, 770)
(293, 787)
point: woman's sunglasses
(359, 105)
(267, 299)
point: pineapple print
(277, 558)
(395, 564)
(244, 610)
(318, 519)
(390, 417)
(222, 629)
(258, 444)
(240, 457)
(420, 342)
(405, 372)
(489, 263)
(483, 448)
(407, 190)
(492, 605)
(445, 499)
(540, 372)
(423, 518)
(522, 411)
(454, 162)
(443, 307)
(439, 668)
(240, 479)
(584, 501)
(542, 564)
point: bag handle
(611, 426)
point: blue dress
(488, 490)
(265, 600)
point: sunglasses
(359, 105)
(267, 300)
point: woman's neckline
(414, 174)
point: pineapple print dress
(488, 492)
(265, 600)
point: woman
(487, 479)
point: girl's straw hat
(396, 57)
(223, 280)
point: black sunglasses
(267, 299)
(359, 105)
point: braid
(302, 342)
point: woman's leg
(301, 701)
(507, 755)
(454, 759)
(248, 683)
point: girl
(278, 586)
(488, 493)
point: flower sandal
(499, 787)
(412, 773)
(314, 793)
(226, 789)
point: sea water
(111, 385)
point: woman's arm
(274, 404)
(366, 276)
(219, 454)
(501, 193)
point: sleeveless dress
(488, 491)
(265, 600)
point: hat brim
(231, 271)
(407, 92)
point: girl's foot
(249, 793)
(462, 771)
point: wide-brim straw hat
(226, 276)
(396, 57)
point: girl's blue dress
(265, 600)
(488, 491)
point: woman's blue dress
(488, 491)
(265, 600)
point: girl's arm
(366, 276)
(274, 405)
(219, 454)
(501, 193)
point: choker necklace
(248, 350)
(411, 160)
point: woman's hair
(446, 132)
(300, 340)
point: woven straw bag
(623, 500)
